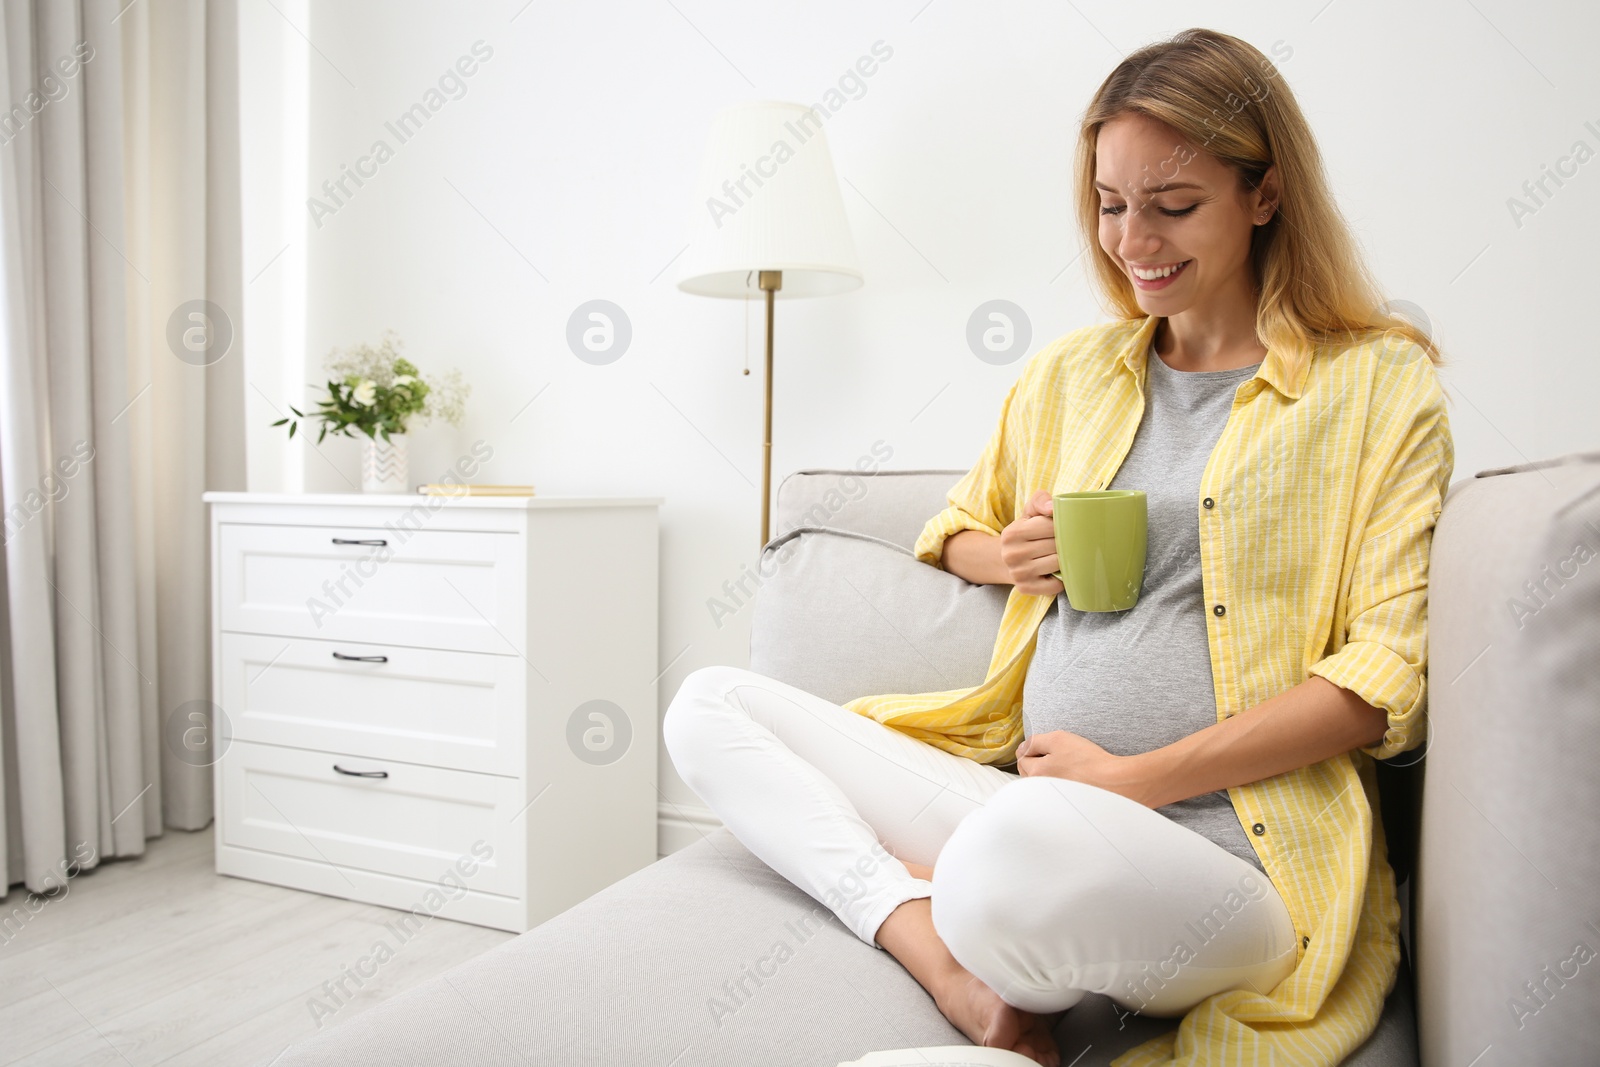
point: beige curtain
(121, 400)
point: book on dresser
(442, 705)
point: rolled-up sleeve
(1383, 654)
(985, 497)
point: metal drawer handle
(361, 659)
(379, 542)
(361, 774)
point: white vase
(384, 465)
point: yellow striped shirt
(1323, 493)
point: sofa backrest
(1504, 919)
(891, 505)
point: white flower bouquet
(376, 391)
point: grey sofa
(1492, 827)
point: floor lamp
(768, 219)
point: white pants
(1045, 888)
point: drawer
(465, 710)
(415, 823)
(427, 588)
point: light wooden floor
(162, 960)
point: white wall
(564, 174)
(274, 80)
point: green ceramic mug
(1100, 543)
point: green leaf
(292, 425)
(280, 422)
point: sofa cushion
(706, 958)
(1503, 919)
(844, 609)
(843, 614)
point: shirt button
(1258, 829)
(1219, 610)
(1304, 941)
(1208, 502)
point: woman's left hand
(1063, 754)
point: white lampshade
(767, 199)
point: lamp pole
(770, 281)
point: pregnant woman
(1172, 805)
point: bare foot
(970, 1005)
(977, 1011)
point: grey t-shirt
(1136, 680)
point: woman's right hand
(1028, 547)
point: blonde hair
(1226, 98)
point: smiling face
(1166, 204)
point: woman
(1191, 829)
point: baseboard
(681, 825)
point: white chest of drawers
(446, 706)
